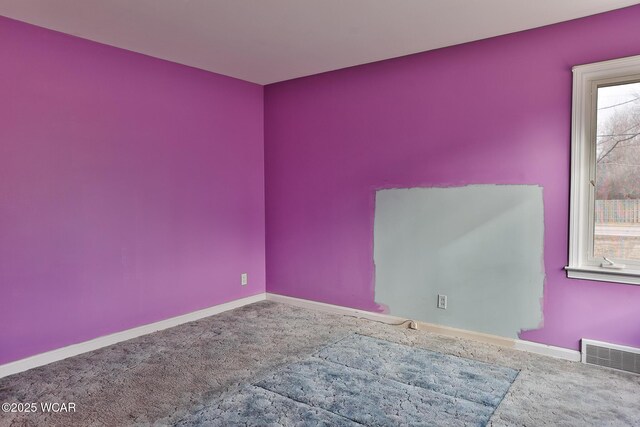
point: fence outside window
(618, 211)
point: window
(605, 172)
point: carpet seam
(503, 396)
(432, 351)
(332, 344)
(517, 371)
(309, 405)
(410, 385)
(315, 356)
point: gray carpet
(253, 406)
(161, 378)
(367, 381)
(475, 381)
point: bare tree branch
(623, 132)
(614, 146)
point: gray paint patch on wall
(481, 245)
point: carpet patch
(364, 380)
(253, 406)
(369, 399)
(468, 379)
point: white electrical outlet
(244, 279)
(442, 301)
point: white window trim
(585, 80)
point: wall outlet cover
(442, 301)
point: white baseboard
(532, 347)
(335, 309)
(105, 341)
(96, 343)
(548, 350)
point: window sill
(626, 276)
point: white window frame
(586, 80)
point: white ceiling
(266, 41)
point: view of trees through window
(617, 184)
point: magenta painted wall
(131, 189)
(494, 111)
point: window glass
(617, 172)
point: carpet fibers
(173, 375)
(364, 380)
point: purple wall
(494, 111)
(131, 189)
